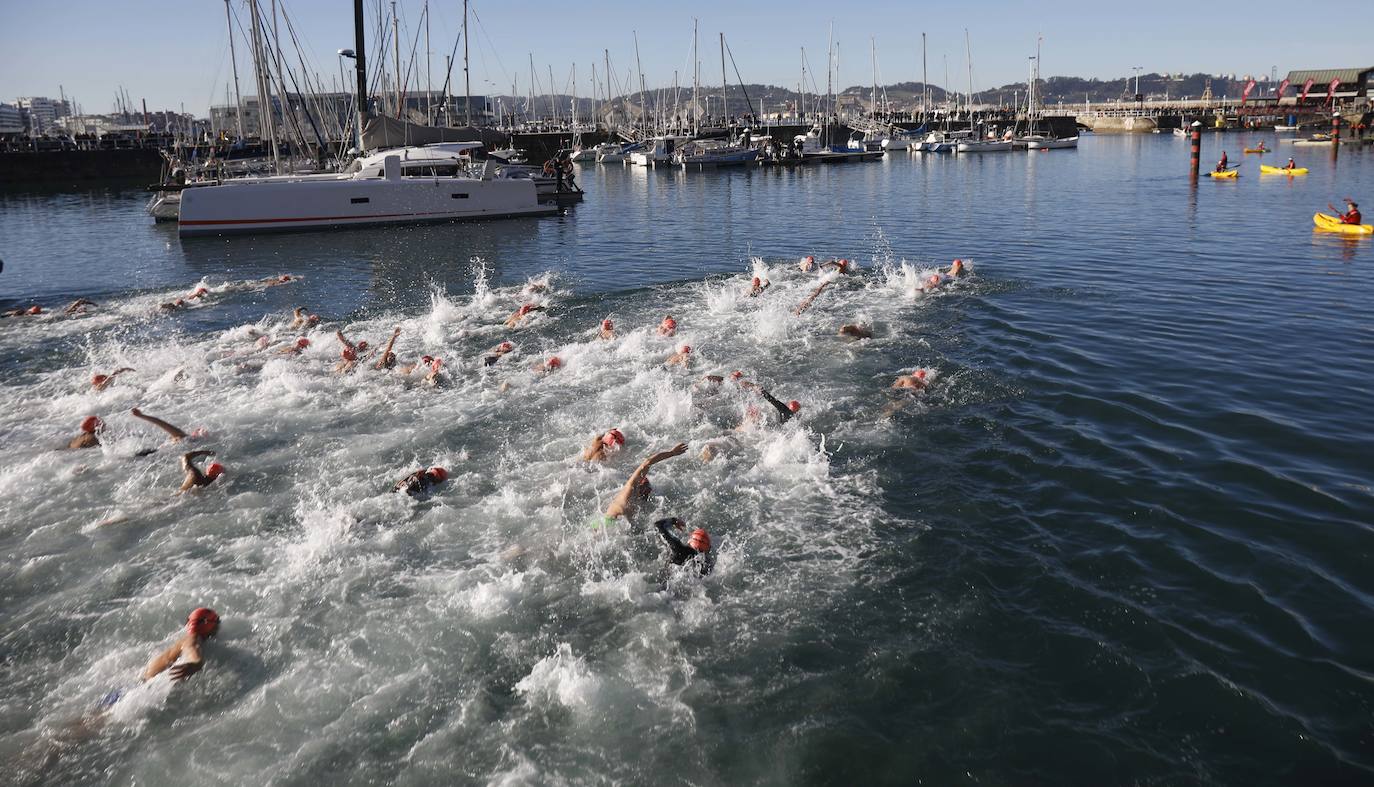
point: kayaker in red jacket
(1351, 215)
(1221, 165)
(1290, 164)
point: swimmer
(785, 411)
(931, 282)
(102, 381)
(429, 363)
(697, 548)
(276, 281)
(544, 367)
(349, 355)
(757, 286)
(607, 330)
(184, 658)
(806, 304)
(843, 266)
(712, 382)
(78, 306)
(200, 292)
(668, 327)
(603, 445)
(300, 319)
(176, 434)
(534, 288)
(956, 269)
(31, 311)
(681, 357)
(855, 331)
(916, 381)
(497, 353)
(421, 481)
(521, 313)
(194, 477)
(388, 358)
(806, 263)
(636, 488)
(295, 348)
(172, 306)
(87, 439)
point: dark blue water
(1124, 539)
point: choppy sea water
(1123, 538)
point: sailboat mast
(925, 81)
(643, 119)
(360, 62)
(429, 71)
(396, 35)
(696, 83)
(266, 126)
(724, 85)
(873, 54)
(968, 57)
(467, 79)
(234, 61)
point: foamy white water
(471, 634)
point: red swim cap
(735, 375)
(643, 489)
(35, 309)
(91, 423)
(99, 379)
(553, 362)
(933, 280)
(439, 474)
(285, 277)
(809, 258)
(312, 319)
(180, 302)
(686, 349)
(794, 406)
(525, 309)
(203, 622)
(757, 281)
(215, 470)
(362, 346)
(700, 540)
(920, 374)
(958, 262)
(349, 354)
(613, 437)
(302, 342)
(199, 291)
(607, 324)
(669, 320)
(426, 359)
(505, 347)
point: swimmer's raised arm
(388, 358)
(622, 501)
(806, 304)
(176, 434)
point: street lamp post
(357, 132)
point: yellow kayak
(1329, 223)
(1230, 173)
(1265, 169)
(1256, 150)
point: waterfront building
(1352, 87)
(11, 121)
(43, 112)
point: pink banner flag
(1331, 91)
(1282, 87)
(1250, 85)
(1306, 86)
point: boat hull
(1052, 144)
(983, 147)
(240, 207)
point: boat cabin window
(430, 171)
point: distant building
(1352, 86)
(11, 121)
(43, 112)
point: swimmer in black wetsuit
(697, 548)
(421, 481)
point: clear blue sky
(175, 53)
